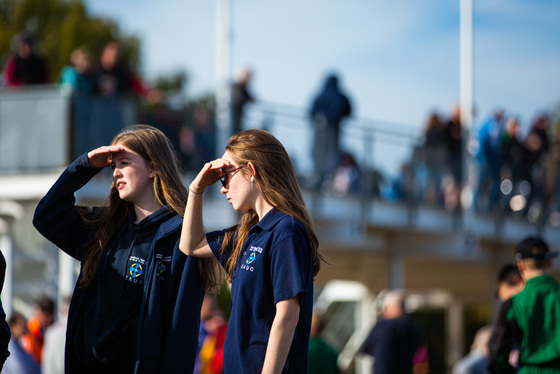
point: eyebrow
(120, 158)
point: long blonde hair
(277, 182)
(154, 147)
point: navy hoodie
(142, 314)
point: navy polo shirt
(275, 265)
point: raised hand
(101, 157)
(210, 174)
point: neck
(262, 208)
(143, 211)
(528, 274)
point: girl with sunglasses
(271, 256)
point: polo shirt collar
(270, 219)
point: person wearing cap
(530, 320)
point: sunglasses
(225, 177)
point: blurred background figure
(115, 78)
(213, 333)
(489, 160)
(55, 339)
(4, 328)
(394, 340)
(454, 140)
(19, 362)
(476, 360)
(240, 96)
(537, 145)
(509, 282)
(421, 360)
(203, 136)
(80, 74)
(435, 153)
(551, 176)
(513, 153)
(37, 324)
(25, 66)
(322, 356)
(347, 176)
(327, 111)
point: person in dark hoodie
(136, 305)
(327, 111)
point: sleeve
(10, 79)
(368, 346)
(501, 342)
(290, 264)
(56, 216)
(138, 85)
(215, 240)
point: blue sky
(397, 60)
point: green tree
(60, 26)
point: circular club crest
(136, 270)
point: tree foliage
(59, 27)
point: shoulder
(288, 223)
(171, 227)
(282, 223)
(289, 228)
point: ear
(521, 267)
(253, 170)
(151, 170)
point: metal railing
(43, 128)
(393, 165)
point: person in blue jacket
(271, 255)
(136, 304)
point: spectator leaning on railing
(25, 66)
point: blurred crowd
(36, 341)
(511, 170)
(108, 76)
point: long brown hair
(277, 182)
(157, 150)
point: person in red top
(26, 66)
(33, 339)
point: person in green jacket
(527, 333)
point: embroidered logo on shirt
(254, 251)
(251, 258)
(136, 270)
(162, 265)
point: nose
(223, 190)
(116, 172)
